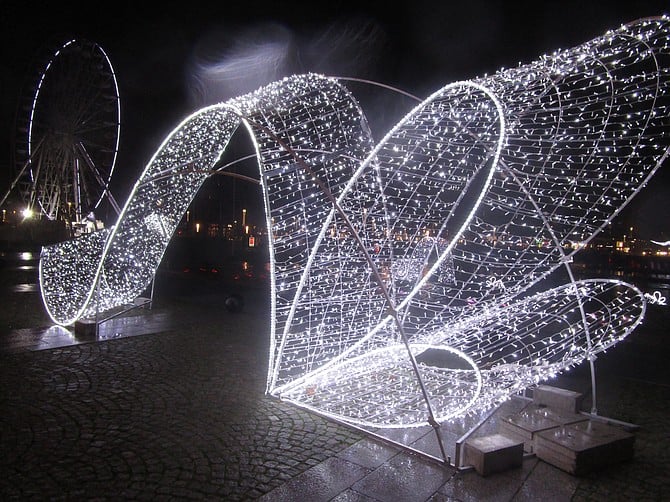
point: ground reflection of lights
(56, 336)
(414, 280)
(24, 288)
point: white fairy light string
(414, 280)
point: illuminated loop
(405, 275)
(121, 262)
(405, 171)
(352, 388)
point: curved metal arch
(536, 266)
(367, 170)
(107, 269)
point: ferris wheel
(69, 127)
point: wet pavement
(168, 403)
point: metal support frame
(145, 301)
(607, 420)
(457, 461)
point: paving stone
(368, 453)
(320, 483)
(493, 453)
(404, 477)
(469, 486)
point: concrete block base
(494, 453)
(141, 301)
(526, 424)
(584, 447)
(85, 329)
(558, 399)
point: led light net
(415, 279)
(100, 271)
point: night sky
(160, 54)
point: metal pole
(592, 357)
(151, 299)
(97, 306)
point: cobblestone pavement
(176, 414)
(167, 415)
(180, 413)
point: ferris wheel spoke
(91, 188)
(96, 175)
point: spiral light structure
(414, 279)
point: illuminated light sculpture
(415, 280)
